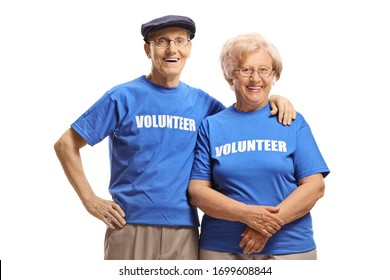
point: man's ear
(147, 50)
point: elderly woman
(255, 180)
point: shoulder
(209, 103)
(224, 115)
(130, 89)
(300, 121)
(136, 83)
(197, 91)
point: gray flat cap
(168, 21)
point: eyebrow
(261, 66)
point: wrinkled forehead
(170, 32)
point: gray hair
(235, 51)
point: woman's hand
(252, 241)
(263, 219)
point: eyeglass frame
(168, 42)
(253, 70)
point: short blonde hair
(236, 50)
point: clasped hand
(264, 219)
(252, 241)
(262, 224)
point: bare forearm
(216, 204)
(68, 152)
(302, 200)
(69, 156)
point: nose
(255, 76)
(171, 44)
(171, 48)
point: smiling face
(167, 61)
(252, 92)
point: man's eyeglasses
(263, 72)
(165, 42)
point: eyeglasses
(263, 72)
(180, 42)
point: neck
(249, 108)
(164, 81)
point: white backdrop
(58, 57)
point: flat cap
(168, 21)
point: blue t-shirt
(152, 135)
(252, 158)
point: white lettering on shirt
(165, 121)
(251, 146)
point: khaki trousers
(215, 255)
(143, 242)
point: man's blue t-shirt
(252, 158)
(152, 134)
